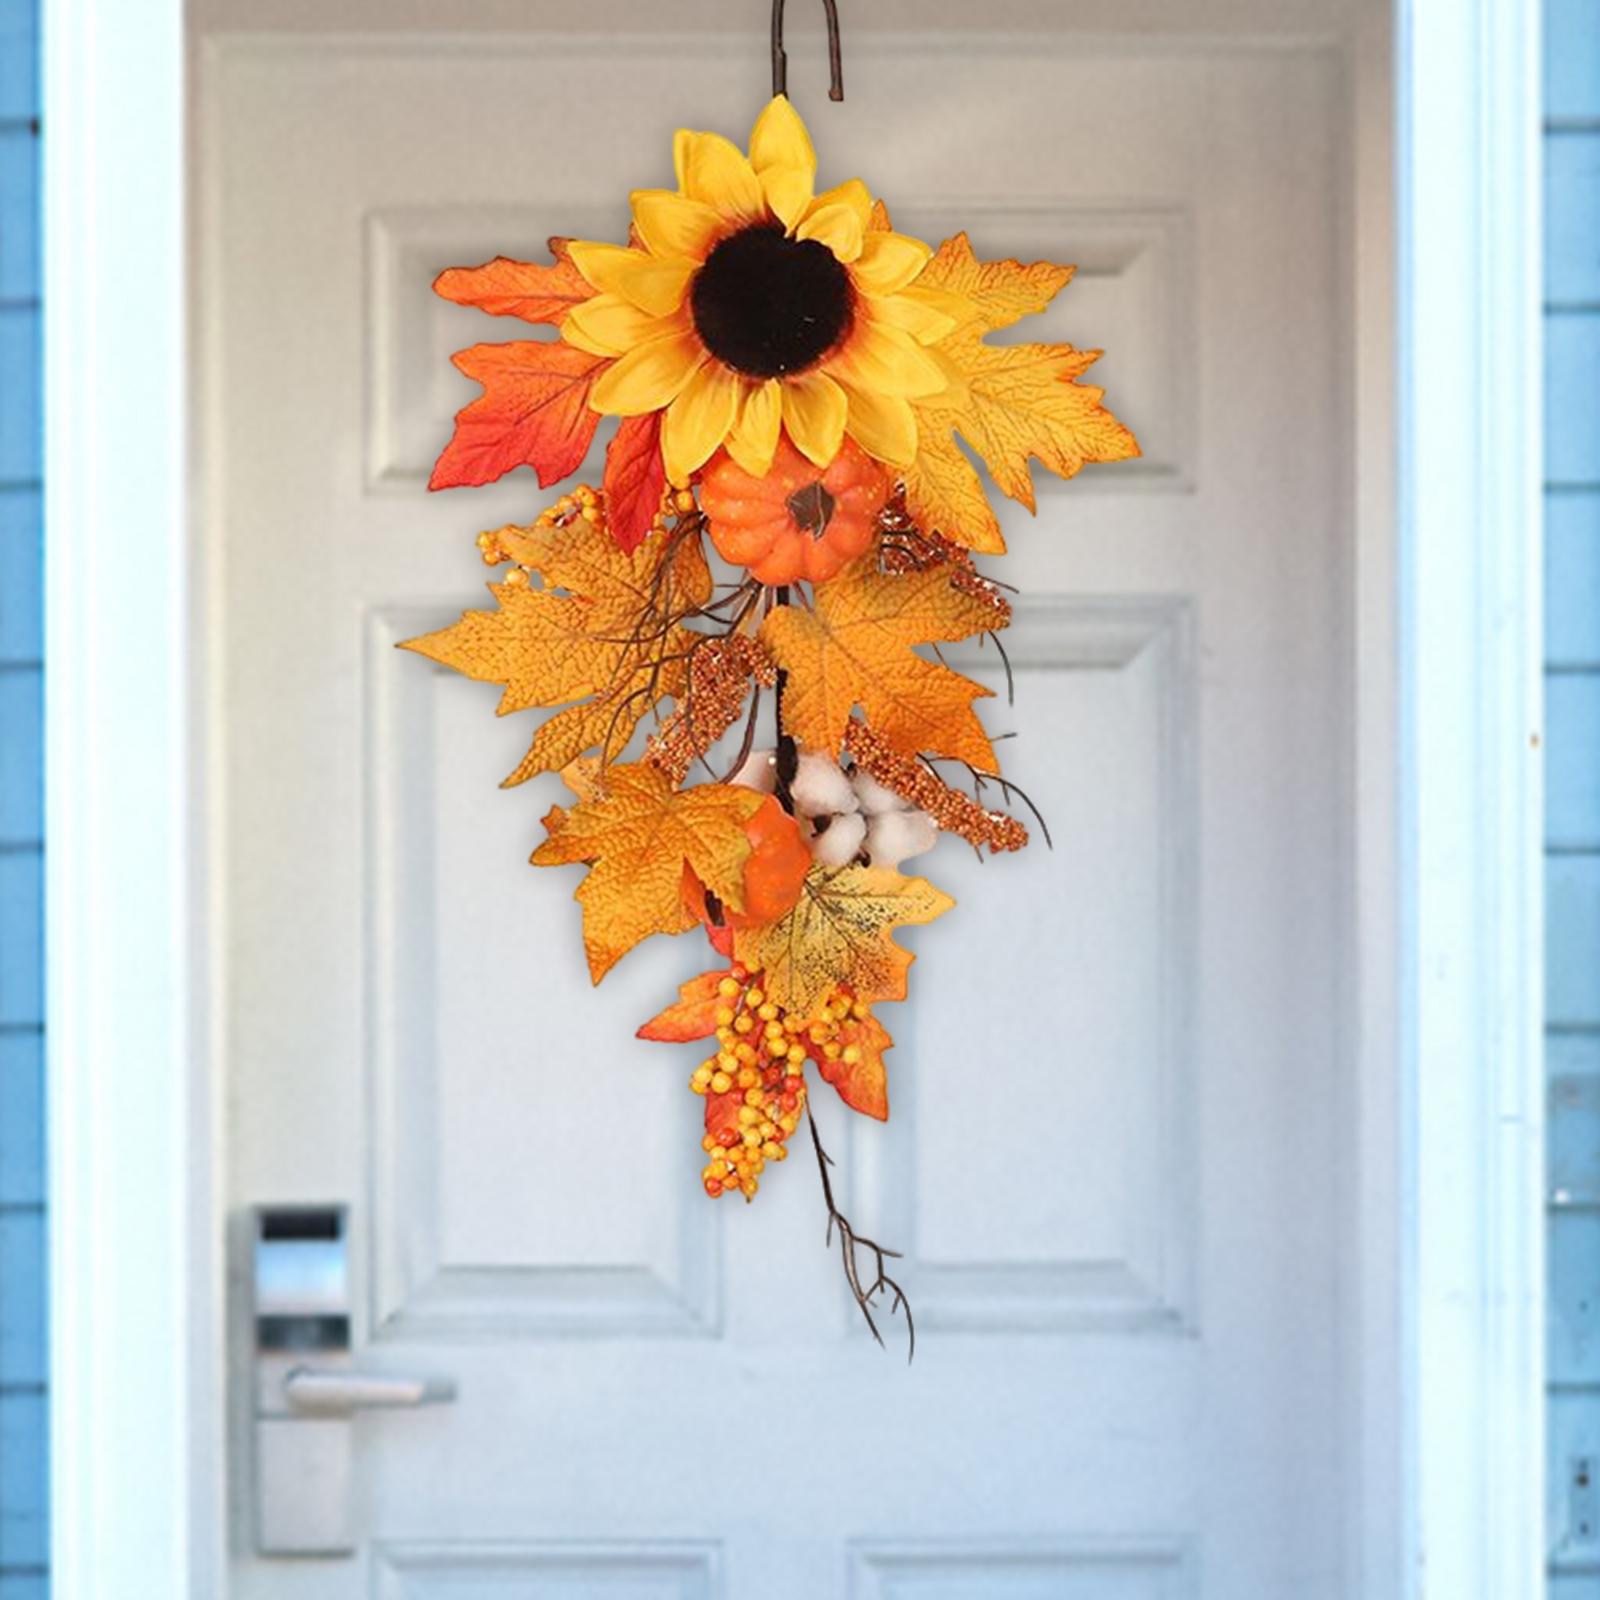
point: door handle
(335, 1393)
(306, 1388)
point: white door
(1112, 1160)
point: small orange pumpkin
(798, 521)
(773, 872)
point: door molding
(135, 1370)
(1472, 831)
(1444, 1254)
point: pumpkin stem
(812, 509)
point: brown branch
(850, 1242)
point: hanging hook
(780, 62)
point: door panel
(1111, 1162)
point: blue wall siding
(23, 1516)
(1572, 836)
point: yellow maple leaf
(998, 292)
(1012, 403)
(855, 648)
(636, 833)
(840, 932)
(597, 633)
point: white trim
(134, 1482)
(1471, 445)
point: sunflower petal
(889, 261)
(838, 227)
(957, 307)
(674, 226)
(784, 160)
(924, 321)
(753, 440)
(714, 170)
(883, 425)
(788, 191)
(699, 419)
(779, 138)
(608, 325)
(654, 286)
(814, 411)
(887, 360)
(852, 193)
(649, 376)
(572, 334)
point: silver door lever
(308, 1388)
(333, 1393)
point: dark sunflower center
(767, 305)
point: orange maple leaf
(693, 1015)
(636, 837)
(839, 934)
(862, 1084)
(534, 411)
(1012, 403)
(855, 648)
(507, 288)
(598, 633)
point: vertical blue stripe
(1572, 818)
(24, 1394)
(19, 60)
(21, 1119)
(1572, 59)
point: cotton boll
(895, 835)
(840, 843)
(760, 771)
(820, 788)
(872, 796)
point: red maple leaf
(534, 411)
(635, 477)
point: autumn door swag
(789, 375)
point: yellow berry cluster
(755, 1084)
(674, 503)
(582, 502)
(832, 1051)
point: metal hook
(780, 62)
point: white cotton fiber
(895, 835)
(841, 842)
(820, 788)
(873, 797)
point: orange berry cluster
(754, 1085)
(674, 503)
(918, 786)
(720, 671)
(905, 547)
(498, 545)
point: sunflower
(751, 304)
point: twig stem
(849, 1243)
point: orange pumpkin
(776, 867)
(798, 521)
